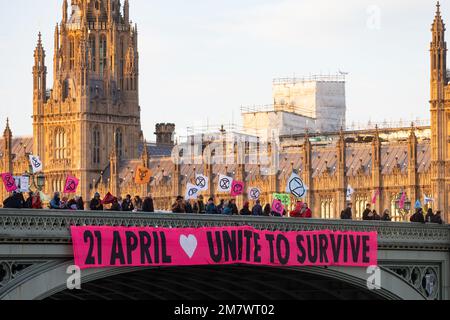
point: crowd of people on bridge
(224, 207)
(372, 215)
(230, 208)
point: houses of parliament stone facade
(89, 125)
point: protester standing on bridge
(15, 201)
(80, 203)
(199, 206)
(221, 206)
(227, 209)
(28, 202)
(115, 206)
(257, 209)
(178, 206)
(418, 216)
(36, 202)
(137, 204)
(347, 213)
(386, 216)
(55, 203)
(306, 212)
(211, 207)
(127, 204)
(148, 205)
(375, 216)
(437, 218)
(297, 213)
(368, 213)
(429, 216)
(96, 203)
(234, 208)
(267, 211)
(188, 206)
(246, 210)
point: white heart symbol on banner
(189, 245)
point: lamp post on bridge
(37, 180)
(404, 212)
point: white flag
(24, 184)
(202, 182)
(191, 192)
(350, 192)
(17, 181)
(254, 193)
(225, 184)
(36, 164)
(428, 200)
(296, 187)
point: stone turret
(165, 133)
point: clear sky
(200, 60)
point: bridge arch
(211, 283)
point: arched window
(360, 206)
(103, 54)
(119, 142)
(96, 141)
(327, 208)
(93, 45)
(395, 213)
(72, 53)
(60, 144)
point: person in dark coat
(246, 210)
(80, 203)
(375, 216)
(199, 206)
(115, 206)
(211, 207)
(418, 216)
(386, 216)
(267, 211)
(257, 209)
(347, 213)
(148, 205)
(96, 203)
(15, 201)
(430, 215)
(55, 203)
(368, 213)
(221, 207)
(437, 218)
(234, 208)
(29, 202)
(178, 206)
(127, 204)
(188, 207)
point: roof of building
(21, 146)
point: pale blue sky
(202, 59)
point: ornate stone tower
(94, 104)
(440, 116)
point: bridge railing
(45, 226)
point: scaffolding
(340, 77)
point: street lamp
(37, 179)
(406, 207)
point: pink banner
(402, 201)
(277, 206)
(9, 182)
(237, 188)
(103, 247)
(374, 199)
(71, 185)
